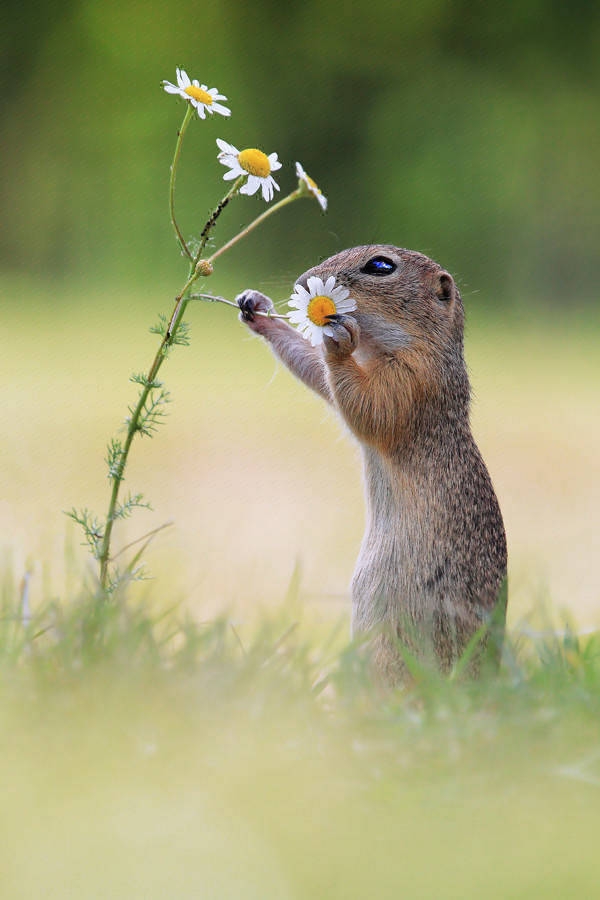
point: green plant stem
(212, 298)
(295, 195)
(180, 135)
(181, 301)
(133, 424)
(210, 224)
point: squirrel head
(405, 301)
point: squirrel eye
(379, 265)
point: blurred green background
(467, 131)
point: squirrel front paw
(345, 337)
(253, 302)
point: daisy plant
(313, 306)
(307, 185)
(203, 99)
(251, 164)
(250, 170)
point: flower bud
(203, 267)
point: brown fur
(433, 558)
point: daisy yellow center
(255, 162)
(319, 308)
(197, 93)
(312, 184)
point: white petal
(346, 306)
(329, 285)
(316, 336)
(251, 186)
(298, 309)
(339, 294)
(273, 162)
(170, 88)
(297, 317)
(231, 175)
(300, 173)
(300, 296)
(222, 110)
(297, 303)
(256, 184)
(318, 287)
(227, 148)
(182, 78)
(267, 188)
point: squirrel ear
(444, 289)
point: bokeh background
(468, 131)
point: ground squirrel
(432, 566)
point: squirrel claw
(250, 303)
(247, 306)
(345, 335)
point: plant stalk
(133, 424)
(180, 135)
(212, 298)
(295, 195)
(205, 234)
(181, 301)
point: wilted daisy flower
(311, 186)
(253, 163)
(201, 97)
(313, 306)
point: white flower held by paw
(312, 307)
(311, 187)
(253, 163)
(201, 97)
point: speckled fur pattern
(433, 557)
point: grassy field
(162, 758)
(234, 747)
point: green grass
(150, 756)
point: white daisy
(313, 306)
(253, 163)
(310, 186)
(201, 97)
